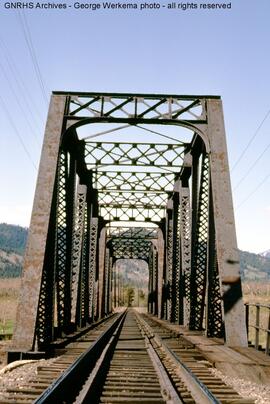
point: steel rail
(199, 390)
(90, 384)
(89, 391)
(68, 385)
(109, 370)
(87, 388)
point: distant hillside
(134, 272)
(266, 254)
(13, 241)
(13, 238)
(12, 246)
(254, 266)
(10, 264)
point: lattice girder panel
(133, 181)
(169, 263)
(45, 325)
(132, 213)
(199, 270)
(155, 282)
(110, 286)
(119, 195)
(106, 291)
(61, 237)
(93, 249)
(185, 249)
(132, 232)
(77, 248)
(150, 282)
(214, 315)
(100, 154)
(215, 323)
(83, 299)
(65, 223)
(130, 248)
(176, 273)
(46, 304)
(139, 107)
(147, 199)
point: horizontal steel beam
(123, 95)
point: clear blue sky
(171, 51)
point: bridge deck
(246, 363)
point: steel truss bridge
(131, 176)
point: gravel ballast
(258, 392)
(22, 372)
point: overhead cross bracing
(132, 176)
(132, 242)
(133, 194)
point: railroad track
(47, 374)
(131, 359)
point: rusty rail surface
(259, 330)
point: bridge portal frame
(208, 125)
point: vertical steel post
(83, 301)
(160, 281)
(93, 251)
(110, 298)
(114, 285)
(106, 281)
(150, 282)
(176, 267)
(194, 217)
(169, 259)
(45, 326)
(155, 281)
(123, 292)
(200, 249)
(65, 225)
(118, 286)
(101, 273)
(214, 320)
(77, 249)
(185, 237)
